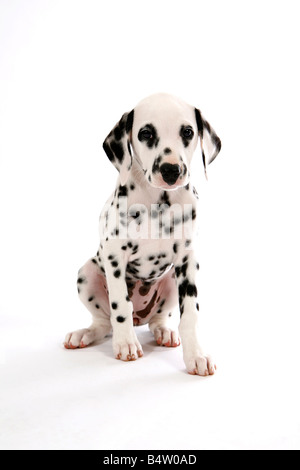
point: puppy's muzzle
(170, 173)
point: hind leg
(92, 291)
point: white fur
(119, 247)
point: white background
(68, 71)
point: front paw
(127, 348)
(198, 364)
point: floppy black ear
(117, 146)
(210, 142)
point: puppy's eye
(188, 133)
(146, 134)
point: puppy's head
(161, 134)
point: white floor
(52, 398)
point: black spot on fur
(135, 249)
(163, 268)
(187, 289)
(118, 150)
(184, 269)
(164, 199)
(155, 167)
(119, 131)
(115, 232)
(178, 271)
(114, 305)
(195, 193)
(136, 262)
(135, 214)
(117, 273)
(131, 269)
(217, 143)
(129, 122)
(199, 121)
(215, 139)
(108, 151)
(123, 191)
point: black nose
(170, 173)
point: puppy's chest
(161, 222)
(150, 264)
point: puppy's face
(164, 138)
(161, 134)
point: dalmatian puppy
(145, 268)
